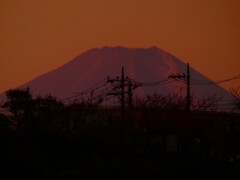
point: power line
(204, 82)
(161, 82)
(181, 78)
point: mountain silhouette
(143, 65)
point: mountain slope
(144, 65)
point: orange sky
(37, 36)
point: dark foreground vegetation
(45, 139)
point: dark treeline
(154, 139)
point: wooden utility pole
(130, 85)
(188, 95)
(130, 94)
(188, 103)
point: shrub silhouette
(236, 94)
(82, 140)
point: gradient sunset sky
(38, 36)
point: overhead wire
(204, 82)
(161, 82)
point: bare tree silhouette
(236, 94)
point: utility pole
(188, 105)
(130, 94)
(188, 95)
(121, 88)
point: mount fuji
(143, 65)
